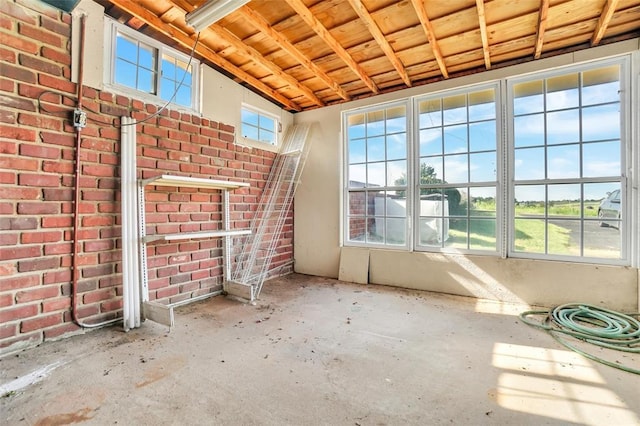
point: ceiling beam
(603, 22)
(542, 27)
(187, 41)
(418, 5)
(483, 33)
(263, 25)
(325, 35)
(373, 28)
(248, 51)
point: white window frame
(246, 141)
(505, 211)
(111, 30)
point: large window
(567, 162)
(527, 167)
(377, 176)
(259, 126)
(458, 168)
(155, 71)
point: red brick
(59, 167)
(38, 208)
(39, 151)
(53, 249)
(40, 180)
(90, 221)
(111, 305)
(17, 133)
(37, 294)
(18, 163)
(8, 239)
(19, 252)
(19, 43)
(40, 322)
(40, 237)
(97, 271)
(6, 300)
(57, 83)
(18, 103)
(98, 170)
(58, 56)
(21, 281)
(97, 296)
(56, 222)
(57, 277)
(38, 264)
(18, 313)
(99, 245)
(63, 139)
(59, 304)
(40, 121)
(54, 332)
(118, 111)
(8, 330)
(38, 64)
(55, 26)
(44, 36)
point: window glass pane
(396, 231)
(166, 89)
(183, 97)
(146, 81)
(396, 121)
(358, 203)
(601, 85)
(564, 237)
(430, 170)
(482, 234)
(528, 97)
(529, 163)
(563, 126)
(530, 200)
(396, 173)
(146, 57)
(267, 123)
(249, 132)
(564, 200)
(562, 92)
(563, 161)
(601, 122)
(267, 136)
(482, 105)
(249, 117)
(355, 126)
(482, 202)
(602, 241)
(375, 230)
(430, 113)
(458, 234)
(397, 146)
(169, 68)
(375, 123)
(482, 136)
(483, 167)
(455, 139)
(456, 168)
(431, 141)
(376, 174)
(126, 49)
(357, 229)
(125, 73)
(375, 149)
(601, 159)
(357, 175)
(529, 130)
(357, 151)
(455, 109)
(396, 205)
(595, 196)
(530, 235)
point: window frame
(277, 128)
(407, 104)
(112, 28)
(505, 152)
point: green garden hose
(592, 324)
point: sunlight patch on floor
(557, 384)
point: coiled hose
(592, 324)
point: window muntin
(457, 171)
(259, 126)
(567, 157)
(151, 68)
(377, 170)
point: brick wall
(37, 179)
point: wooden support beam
(603, 22)
(542, 27)
(262, 25)
(418, 5)
(373, 28)
(483, 33)
(187, 41)
(307, 16)
(248, 51)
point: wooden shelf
(192, 182)
(191, 235)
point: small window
(156, 71)
(259, 126)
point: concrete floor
(317, 351)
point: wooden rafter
(418, 5)
(187, 41)
(262, 25)
(603, 22)
(542, 27)
(373, 28)
(248, 51)
(325, 35)
(483, 33)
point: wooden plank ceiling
(305, 54)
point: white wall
(318, 207)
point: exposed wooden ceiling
(305, 54)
